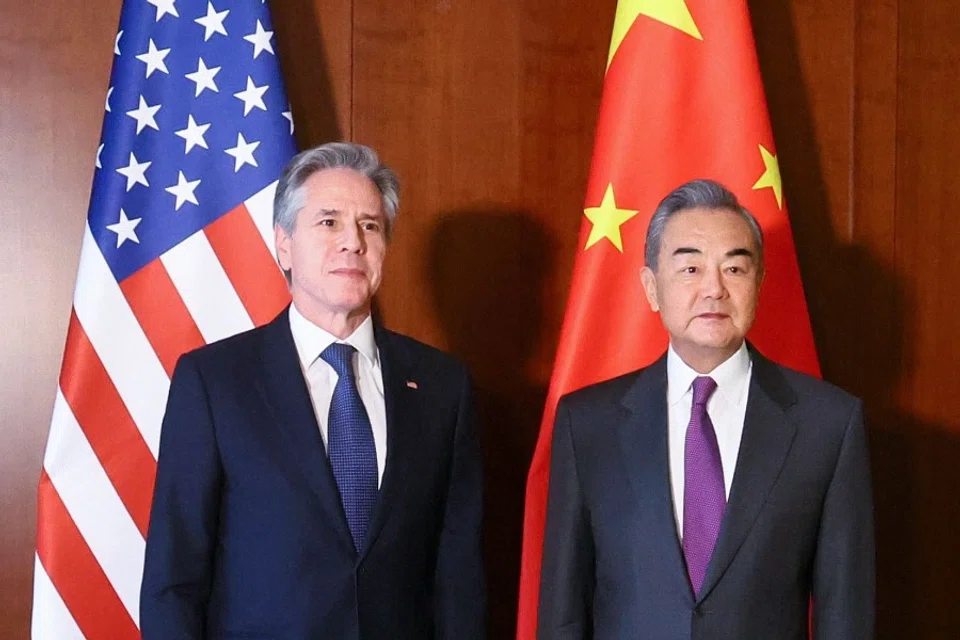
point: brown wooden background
(487, 110)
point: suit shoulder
(806, 384)
(238, 347)
(815, 389)
(602, 393)
(423, 354)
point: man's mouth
(349, 272)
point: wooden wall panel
(805, 50)
(315, 45)
(923, 559)
(436, 93)
(874, 126)
(873, 323)
(471, 103)
(928, 157)
(861, 95)
(487, 110)
(54, 65)
(564, 54)
(866, 144)
(872, 361)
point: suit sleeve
(567, 572)
(459, 580)
(843, 573)
(183, 519)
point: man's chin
(354, 307)
(351, 297)
(348, 303)
(718, 344)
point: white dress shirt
(321, 378)
(727, 408)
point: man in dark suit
(714, 494)
(319, 477)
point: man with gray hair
(713, 495)
(319, 477)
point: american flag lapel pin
(412, 385)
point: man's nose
(712, 285)
(352, 239)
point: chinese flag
(682, 99)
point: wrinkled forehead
(343, 190)
(708, 230)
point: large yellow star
(673, 13)
(771, 176)
(606, 220)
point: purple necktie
(703, 494)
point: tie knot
(703, 388)
(338, 355)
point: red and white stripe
(123, 341)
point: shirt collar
(311, 340)
(731, 376)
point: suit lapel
(642, 435)
(404, 420)
(285, 391)
(767, 437)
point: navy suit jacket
(798, 522)
(247, 536)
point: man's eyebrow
(740, 251)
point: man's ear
(649, 280)
(281, 241)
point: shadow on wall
(916, 463)
(863, 321)
(487, 268)
(304, 64)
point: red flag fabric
(682, 99)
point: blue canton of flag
(197, 120)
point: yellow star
(771, 177)
(673, 13)
(606, 220)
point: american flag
(177, 252)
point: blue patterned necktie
(350, 447)
(704, 496)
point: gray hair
(696, 194)
(289, 198)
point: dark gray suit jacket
(798, 523)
